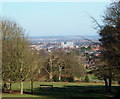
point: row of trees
(60, 63)
(21, 63)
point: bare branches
(96, 22)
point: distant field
(73, 90)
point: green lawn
(73, 90)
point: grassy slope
(97, 91)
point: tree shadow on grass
(72, 92)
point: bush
(70, 79)
(64, 79)
(55, 78)
(119, 82)
(86, 79)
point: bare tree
(110, 41)
(16, 60)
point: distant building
(67, 44)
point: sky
(55, 18)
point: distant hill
(82, 39)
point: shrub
(63, 79)
(55, 78)
(86, 79)
(70, 79)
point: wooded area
(21, 63)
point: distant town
(69, 42)
(84, 45)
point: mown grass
(73, 90)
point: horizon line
(59, 35)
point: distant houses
(67, 44)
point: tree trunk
(59, 78)
(51, 77)
(5, 87)
(106, 84)
(60, 70)
(21, 87)
(32, 87)
(51, 70)
(10, 87)
(110, 82)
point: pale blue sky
(55, 18)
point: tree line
(21, 63)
